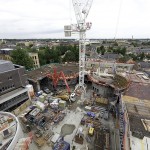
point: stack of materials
(45, 95)
(102, 100)
(62, 145)
(62, 104)
(41, 98)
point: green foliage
(138, 57)
(115, 44)
(98, 50)
(134, 43)
(124, 59)
(101, 50)
(118, 50)
(146, 43)
(104, 42)
(53, 55)
(21, 57)
(142, 55)
(42, 59)
(32, 50)
(72, 54)
(123, 51)
(69, 56)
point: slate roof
(144, 64)
(111, 56)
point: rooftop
(139, 90)
(6, 49)
(111, 56)
(138, 112)
(41, 73)
(6, 66)
(144, 64)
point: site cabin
(91, 131)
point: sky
(21, 19)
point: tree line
(57, 54)
(117, 50)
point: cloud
(46, 18)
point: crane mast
(81, 27)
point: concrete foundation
(103, 90)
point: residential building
(5, 53)
(111, 56)
(35, 58)
(146, 51)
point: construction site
(61, 114)
(81, 106)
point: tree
(115, 44)
(42, 59)
(21, 57)
(123, 51)
(75, 50)
(98, 50)
(142, 56)
(69, 56)
(102, 48)
(32, 50)
(124, 59)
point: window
(9, 78)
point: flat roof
(139, 90)
(6, 66)
(3, 61)
(10, 95)
(6, 49)
(137, 111)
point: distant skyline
(27, 19)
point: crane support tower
(81, 8)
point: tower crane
(81, 27)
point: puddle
(67, 129)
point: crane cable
(118, 18)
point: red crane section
(56, 77)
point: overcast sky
(46, 18)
